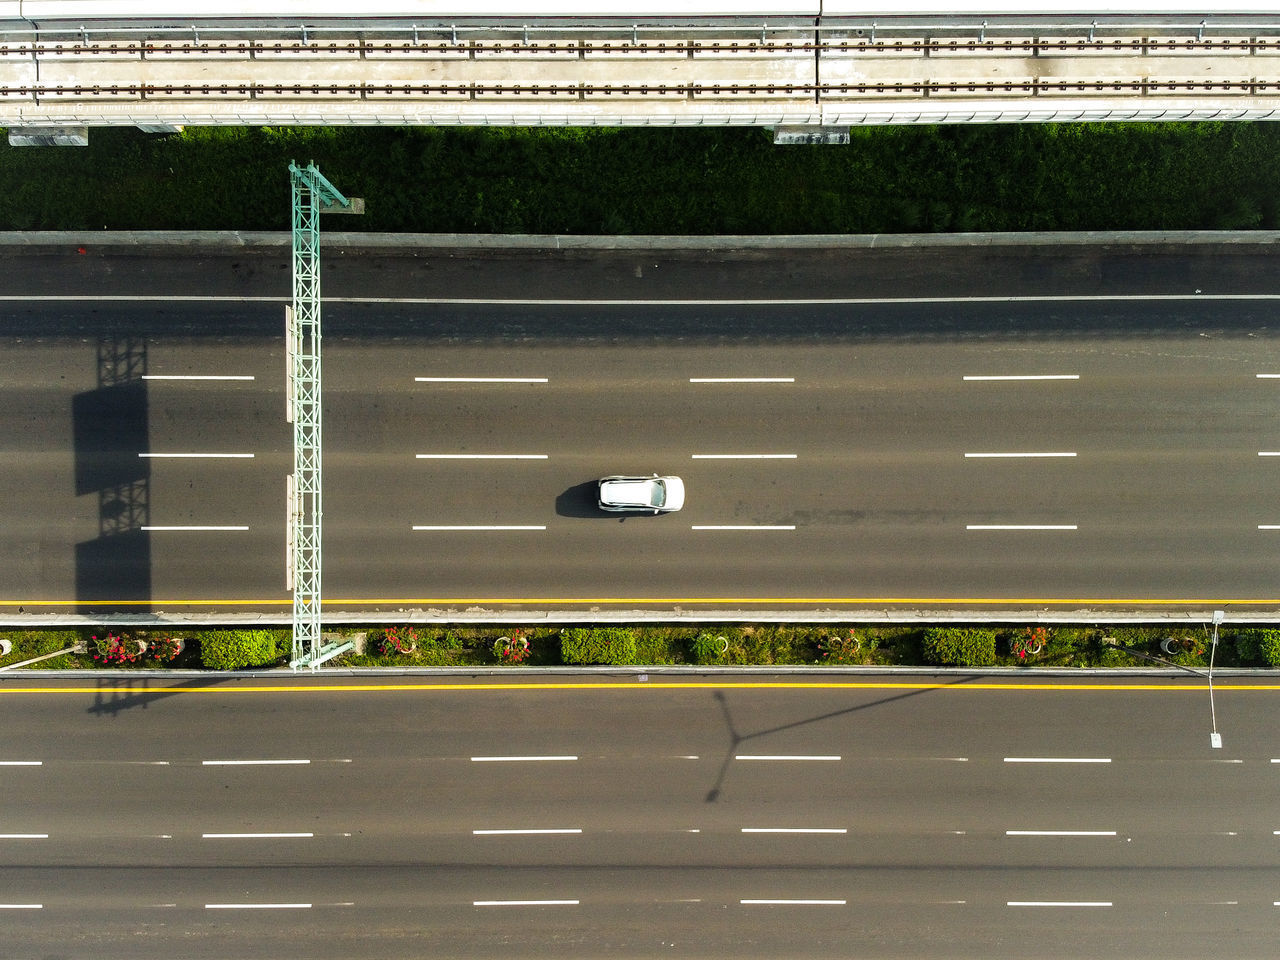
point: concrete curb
(652, 617)
(412, 244)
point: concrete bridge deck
(790, 74)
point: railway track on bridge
(790, 77)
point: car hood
(675, 493)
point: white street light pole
(1215, 738)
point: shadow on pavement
(737, 739)
(115, 695)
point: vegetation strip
(1186, 647)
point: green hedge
(613, 645)
(960, 647)
(1259, 647)
(957, 177)
(236, 649)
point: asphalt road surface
(837, 452)
(929, 818)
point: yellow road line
(956, 685)
(747, 601)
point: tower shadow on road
(110, 430)
(737, 739)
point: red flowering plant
(841, 649)
(397, 642)
(513, 649)
(115, 651)
(163, 649)
(1030, 642)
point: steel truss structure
(312, 195)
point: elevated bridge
(799, 74)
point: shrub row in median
(726, 645)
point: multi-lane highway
(1086, 436)
(925, 817)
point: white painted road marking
(1269, 526)
(501, 833)
(742, 456)
(24, 836)
(802, 301)
(821, 903)
(196, 456)
(794, 830)
(193, 529)
(257, 906)
(1269, 453)
(1058, 903)
(21, 763)
(249, 763)
(1020, 526)
(21, 906)
(785, 756)
(1057, 759)
(1014, 456)
(1059, 833)
(153, 376)
(520, 759)
(480, 379)
(481, 456)
(459, 527)
(742, 379)
(523, 903)
(759, 526)
(255, 836)
(1037, 376)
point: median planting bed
(712, 646)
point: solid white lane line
(1269, 526)
(742, 456)
(1058, 903)
(250, 763)
(821, 903)
(1021, 526)
(154, 376)
(196, 456)
(1057, 759)
(1269, 453)
(1037, 376)
(21, 763)
(1016, 456)
(1059, 833)
(255, 836)
(24, 836)
(480, 379)
(521, 759)
(1267, 376)
(794, 830)
(758, 526)
(501, 833)
(785, 756)
(476, 527)
(21, 906)
(193, 528)
(481, 456)
(802, 301)
(524, 903)
(742, 379)
(257, 906)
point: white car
(653, 494)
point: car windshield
(657, 494)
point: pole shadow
(737, 739)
